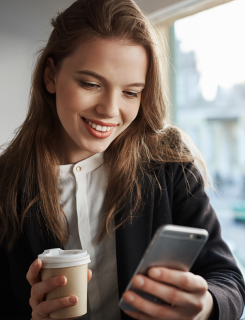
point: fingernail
(128, 297)
(139, 281)
(36, 263)
(61, 280)
(73, 300)
(155, 273)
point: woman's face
(98, 92)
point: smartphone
(173, 247)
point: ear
(49, 75)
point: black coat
(182, 203)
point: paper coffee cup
(73, 264)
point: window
(209, 102)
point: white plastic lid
(58, 258)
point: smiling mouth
(98, 127)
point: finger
(89, 274)
(151, 309)
(39, 289)
(47, 307)
(32, 275)
(184, 280)
(169, 294)
(138, 315)
(46, 317)
(36, 316)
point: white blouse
(82, 190)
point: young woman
(97, 165)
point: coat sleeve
(10, 308)
(15, 289)
(191, 207)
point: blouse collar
(83, 166)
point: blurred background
(206, 78)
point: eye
(131, 94)
(89, 85)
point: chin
(96, 149)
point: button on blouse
(82, 189)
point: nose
(108, 105)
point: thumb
(89, 274)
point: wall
(24, 29)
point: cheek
(69, 100)
(64, 99)
(132, 113)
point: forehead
(112, 58)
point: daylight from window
(209, 82)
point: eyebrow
(95, 75)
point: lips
(101, 123)
(99, 129)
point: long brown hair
(29, 164)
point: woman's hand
(187, 293)
(41, 308)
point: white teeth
(99, 127)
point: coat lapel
(37, 235)
(131, 245)
(133, 239)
